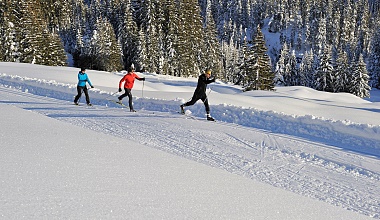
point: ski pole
(142, 90)
(111, 94)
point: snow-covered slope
(290, 154)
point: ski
(77, 104)
(195, 118)
(117, 102)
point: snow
(293, 153)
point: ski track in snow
(303, 166)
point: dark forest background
(328, 45)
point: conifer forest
(328, 45)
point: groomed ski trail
(301, 166)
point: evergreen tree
(211, 53)
(30, 34)
(231, 55)
(323, 76)
(320, 40)
(306, 69)
(281, 64)
(55, 54)
(36, 44)
(248, 60)
(170, 41)
(291, 73)
(150, 18)
(262, 76)
(9, 38)
(374, 60)
(359, 84)
(190, 39)
(108, 51)
(128, 36)
(342, 71)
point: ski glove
(143, 79)
(119, 89)
(92, 87)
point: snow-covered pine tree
(247, 60)
(128, 36)
(109, 52)
(374, 60)
(342, 72)
(170, 28)
(190, 38)
(55, 54)
(34, 36)
(281, 64)
(307, 68)
(3, 28)
(291, 72)
(262, 76)
(359, 83)
(231, 56)
(9, 38)
(320, 39)
(211, 54)
(323, 76)
(152, 27)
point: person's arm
(121, 82)
(89, 82)
(139, 78)
(209, 80)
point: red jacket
(129, 80)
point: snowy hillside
(293, 153)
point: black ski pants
(129, 94)
(202, 97)
(80, 90)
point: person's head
(83, 69)
(208, 73)
(131, 69)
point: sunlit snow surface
(293, 153)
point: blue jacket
(82, 79)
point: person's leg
(207, 106)
(123, 95)
(129, 93)
(193, 100)
(79, 91)
(85, 91)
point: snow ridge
(361, 138)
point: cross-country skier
(81, 87)
(129, 80)
(200, 93)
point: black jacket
(202, 84)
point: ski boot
(209, 118)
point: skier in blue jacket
(81, 87)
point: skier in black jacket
(200, 93)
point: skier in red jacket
(129, 80)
